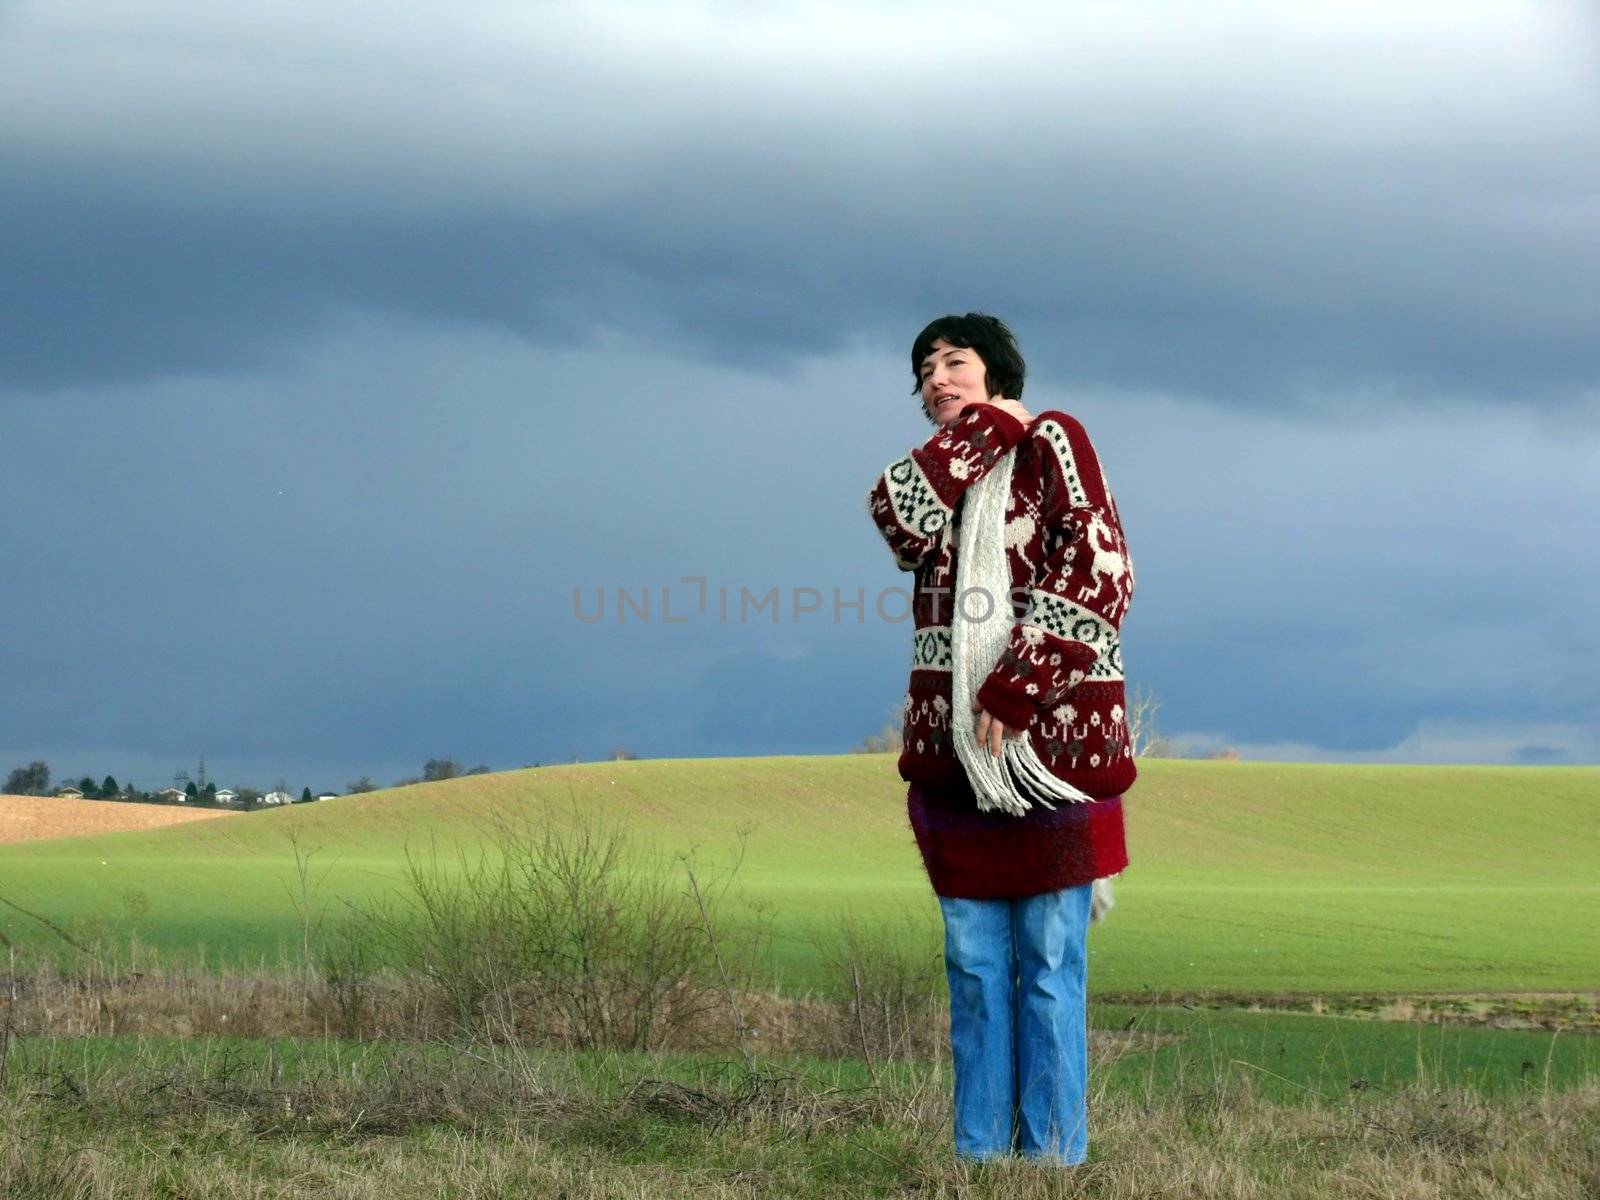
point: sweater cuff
(1006, 427)
(1015, 710)
(1025, 680)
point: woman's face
(952, 378)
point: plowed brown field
(35, 818)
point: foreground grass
(212, 1118)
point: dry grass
(485, 1126)
(38, 818)
(423, 1118)
(180, 1003)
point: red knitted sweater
(1060, 676)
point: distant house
(328, 796)
(277, 798)
(174, 795)
(227, 796)
(69, 793)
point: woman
(1015, 742)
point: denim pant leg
(981, 966)
(1049, 933)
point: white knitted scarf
(980, 629)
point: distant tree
(109, 789)
(210, 792)
(887, 740)
(248, 798)
(305, 795)
(31, 780)
(480, 769)
(1143, 740)
(622, 754)
(191, 791)
(89, 787)
(436, 769)
(407, 781)
(364, 784)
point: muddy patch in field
(1550, 1012)
(40, 818)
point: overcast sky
(340, 346)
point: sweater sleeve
(1071, 628)
(916, 496)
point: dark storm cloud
(370, 560)
(338, 348)
(1284, 211)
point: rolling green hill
(1245, 876)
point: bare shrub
(564, 935)
(888, 989)
(346, 958)
(452, 929)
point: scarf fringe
(1016, 780)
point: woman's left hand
(990, 729)
(1014, 408)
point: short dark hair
(988, 337)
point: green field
(1246, 877)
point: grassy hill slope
(1246, 876)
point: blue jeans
(1018, 1030)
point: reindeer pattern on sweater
(1060, 677)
